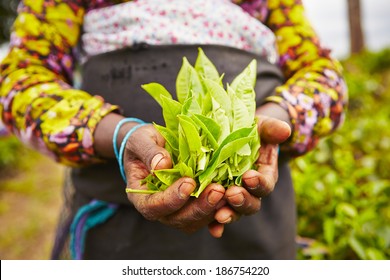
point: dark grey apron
(117, 77)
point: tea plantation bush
(11, 151)
(343, 187)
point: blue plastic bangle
(122, 148)
(116, 131)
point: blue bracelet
(117, 128)
(122, 149)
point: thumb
(273, 131)
(146, 144)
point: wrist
(274, 110)
(104, 134)
(119, 153)
(122, 129)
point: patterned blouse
(217, 22)
(39, 104)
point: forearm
(274, 110)
(315, 93)
(50, 116)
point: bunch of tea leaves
(211, 132)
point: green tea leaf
(238, 181)
(210, 127)
(245, 150)
(222, 172)
(187, 80)
(156, 90)
(246, 80)
(243, 85)
(191, 106)
(241, 116)
(167, 176)
(219, 95)
(148, 178)
(219, 115)
(202, 162)
(244, 165)
(185, 171)
(171, 108)
(206, 104)
(184, 150)
(191, 133)
(169, 136)
(232, 147)
(228, 150)
(235, 141)
(205, 68)
(192, 161)
(255, 145)
(249, 100)
(173, 152)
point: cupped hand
(273, 132)
(246, 199)
(173, 207)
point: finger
(273, 131)
(205, 204)
(226, 215)
(136, 171)
(199, 212)
(147, 145)
(242, 201)
(216, 229)
(160, 204)
(262, 182)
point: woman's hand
(274, 129)
(174, 206)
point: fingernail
(186, 189)
(253, 181)
(224, 218)
(227, 221)
(156, 160)
(214, 197)
(237, 199)
(256, 187)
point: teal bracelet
(122, 149)
(116, 131)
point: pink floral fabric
(219, 22)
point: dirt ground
(29, 205)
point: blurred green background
(342, 187)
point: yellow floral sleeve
(314, 94)
(38, 102)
